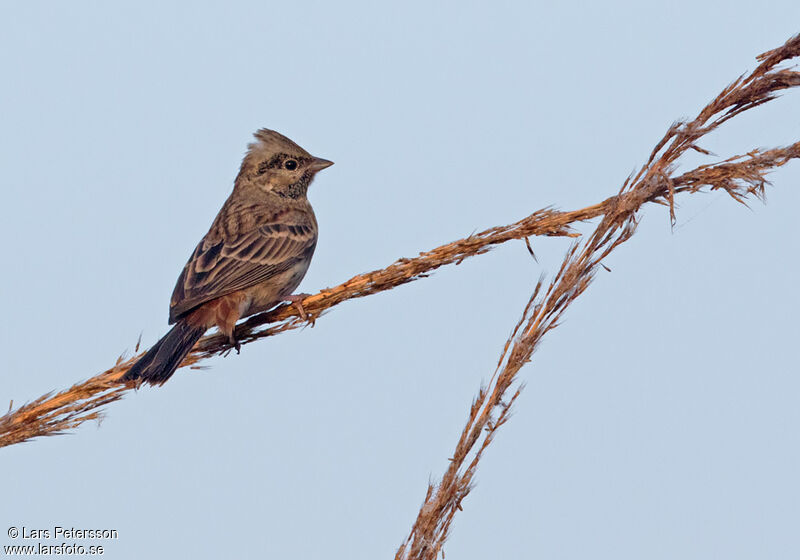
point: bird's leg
(226, 313)
(297, 301)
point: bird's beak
(318, 164)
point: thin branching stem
(742, 177)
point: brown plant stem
(740, 176)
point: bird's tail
(161, 361)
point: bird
(255, 254)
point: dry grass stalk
(740, 176)
(55, 413)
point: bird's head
(275, 164)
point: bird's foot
(297, 301)
(235, 345)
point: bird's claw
(235, 345)
(297, 301)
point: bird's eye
(290, 164)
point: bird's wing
(221, 266)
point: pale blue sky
(659, 421)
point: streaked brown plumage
(254, 255)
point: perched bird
(255, 254)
